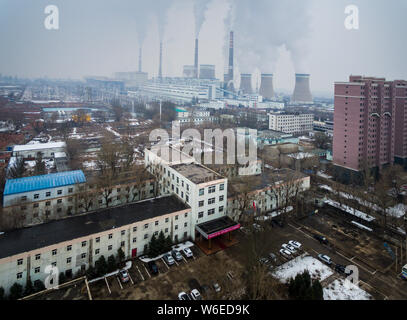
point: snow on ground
(397, 211)
(112, 131)
(341, 290)
(298, 265)
(178, 247)
(127, 267)
(350, 210)
(90, 164)
(324, 175)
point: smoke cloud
(262, 28)
(200, 8)
(160, 8)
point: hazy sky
(100, 37)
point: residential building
(291, 123)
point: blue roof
(47, 181)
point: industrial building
(30, 151)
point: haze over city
(101, 37)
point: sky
(100, 37)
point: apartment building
(75, 243)
(291, 123)
(201, 188)
(369, 123)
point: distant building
(207, 71)
(291, 123)
(370, 128)
(30, 151)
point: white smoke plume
(142, 18)
(161, 8)
(264, 26)
(200, 8)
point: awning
(218, 227)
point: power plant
(302, 91)
(207, 71)
(246, 83)
(266, 86)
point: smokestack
(266, 86)
(160, 70)
(196, 59)
(230, 76)
(246, 83)
(302, 92)
(139, 60)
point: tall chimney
(228, 78)
(302, 91)
(196, 59)
(266, 86)
(139, 60)
(246, 83)
(160, 70)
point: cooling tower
(196, 58)
(302, 92)
(266, 86)
(246, 83)
(160, 69)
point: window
(54, 252)
(187, 187)
(201, 192)
(211, 212)
(187, 198)
(166, 230)
(69, 248)
(19, 262)
(54, 264)
(123, 232)
(156, 233)
(23, 198)
(200, 215)
(36, 196)
(48, 203)
(211, 201)
(59, 192)
(212, 189)
(134, 229)
(19, 275)
(221, 198)
(83, 255)
(167, 220)
(186, 215)
(176, 227)
(109, 247)
(201, 203)
(37, 270)
(176, 217)
(59, 201)
(36, 205)
(83, 243)
(48, 194)
(70, 190)
(146, 236)
(134, 240)
(110, 235)
(68, 260)
(97, 239)
(185, 224)
(222, 187)
(122, 244)
(97, 251)
(221, 209)
(146, 226)
(38, 256)
(156, 223)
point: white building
(73, 244)
(291, 123)
(47, 150)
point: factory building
(207, 71)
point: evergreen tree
(62, 278)
(111, 263)
(2, 295)
(101, 266)
(39, 286)
(161, 241)
(16, 291)
(120, 255)
(29, 288)
(303, 288)
(153, 247)
(168, 243)
(40, 167)
(91, 272)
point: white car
(295, 244)
(195, 295)
(183, 296)
(285, 253)
(325, 258)
(289, 248)
(188, 253)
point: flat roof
(46, 181)
(52, 233)
(217, 227)
(196, 173)
(39, 146)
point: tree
(101, 266)
(109, 156)
(16, 291)
(39, 286)
(121, 256)
(39, 167)
(62, 278)
(111, 263)
(29, 288)
(117, 109)
(153, 247)
(322, 141)
(91, 272)
(17, 170)
(2, 295)
(303, 288)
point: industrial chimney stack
(228, 78)
(266, 86)
(160, 70)
(196, 59)
(139, 60)
(302, 91)
(246, 83)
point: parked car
(324, 258)
(176, 255)
(295, 244)
(188, 253)
(169, 259)
(285, 253)
(273, 257)
(217, 287)
(278, 223)
(321, 239)
(183, 296)
(342, 269)
(195, 295)
(289, 248)
(153, 267)
(124, 276)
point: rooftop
(39, 146)
(197, 173)
(52, 233)
(46, 181)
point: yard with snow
(339, 290)
(298, 265)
